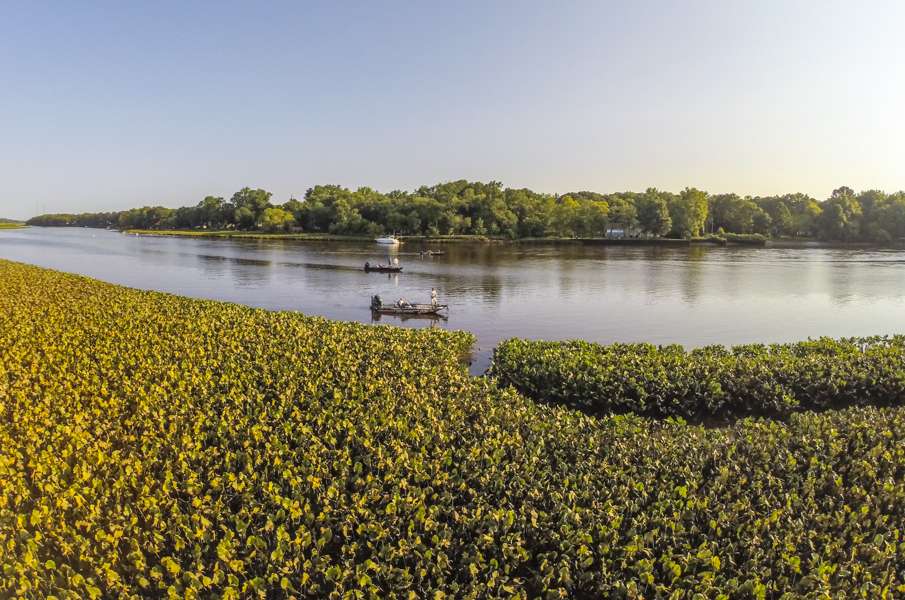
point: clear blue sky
(118, 104)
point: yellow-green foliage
(713, 381)
(10, 225)
(152, 445)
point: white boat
(389, 240)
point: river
(689, 295)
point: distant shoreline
(712, 240)
(452, 239)
(310, 237)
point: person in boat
(367, 265)
(403, 303)
(434, 297)
(396, 261)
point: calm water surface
(693, 296)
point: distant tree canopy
(476, 208)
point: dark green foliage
(653, 213)
(729, 212)
(106, 219)
(755, 239)
(709, 382)
(688, 213)
(841, 216)
(156, 446)
(488, 209)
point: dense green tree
(210, 212)
(730, 212)
(841, 216)
(893, 215)
(102, 219)
(147, 217)
(805, 214)
(294, 208)
(869, 200)
(475, 208)
(276, 219)
(184, 217)
(592, 218)
(245, 217)
(688, 212)
(883, 216)
(653, 213)
(761, 222)
(781, 220)
(533, 211)
(622, 214)
(247, 201)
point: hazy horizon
(107, 107)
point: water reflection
(211, 266)
(693, 273)
(692, 295)
(428, 320)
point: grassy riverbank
(11, 225)
(154, 445)
(314, 237)
(253, 235)
(717, 240)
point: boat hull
(376, 317)
(415, 309)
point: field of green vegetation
(152, 445)
(707, 383)
(11, 225)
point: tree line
(489, 209)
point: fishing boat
(387, 240)
(369, 268)
(401, 307)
